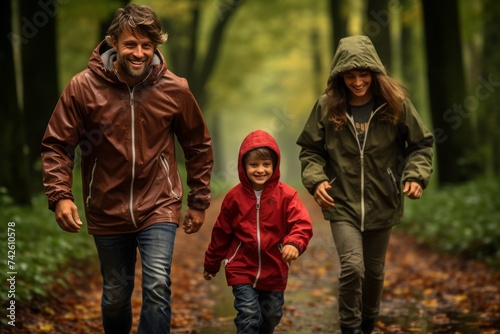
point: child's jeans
(259, 312)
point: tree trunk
(14, 175)
(487, 88)
(40, 75)
(379, 18)
(408, 56)
(319, 82)
(202, 75)
(186, 58)
(339, 22)
(411, 54)
(452, 127)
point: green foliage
(42, 249)
(5, 199)
(78, 33)
(460, 219)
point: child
(261, 228)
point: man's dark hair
(139, 20)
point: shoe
(345, 330)
(367, 326)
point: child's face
(259, 171)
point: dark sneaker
(350, 330)
(367, 326)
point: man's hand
(67, 216)
(413, 190)
(193, 220)
(322, 197)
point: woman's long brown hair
(385, 90)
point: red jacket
(127, 140)
(247, 237)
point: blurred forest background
(262, 64)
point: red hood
(256, 139)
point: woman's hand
(413, 190)
(322, 197)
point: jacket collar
(103, 56)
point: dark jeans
(117, 257)
(259, 312)
(362, 270)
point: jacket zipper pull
(132, 99)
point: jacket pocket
(91, 182)
(393, 181)
(228, 260)
(166, 167)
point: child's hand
(290, 253)
(208, 276)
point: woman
(363, 147)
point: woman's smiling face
(358, 82)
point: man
(124, 112)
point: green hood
(355, 52)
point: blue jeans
(362, 270)
(117, 257)
(258, 311)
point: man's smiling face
(134, 56)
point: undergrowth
(462, 219)
(42, 248)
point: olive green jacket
(367, 181)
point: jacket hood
(103, 56)
(253, 140)
(355, 52)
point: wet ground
(424, 292)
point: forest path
(425, 292)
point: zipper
(132, 179)
(226, 261)
(258, 244)
(393, 179)
(132, 114)
(362, 166)
(89, 196)
(167, 170)
(362, 161)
